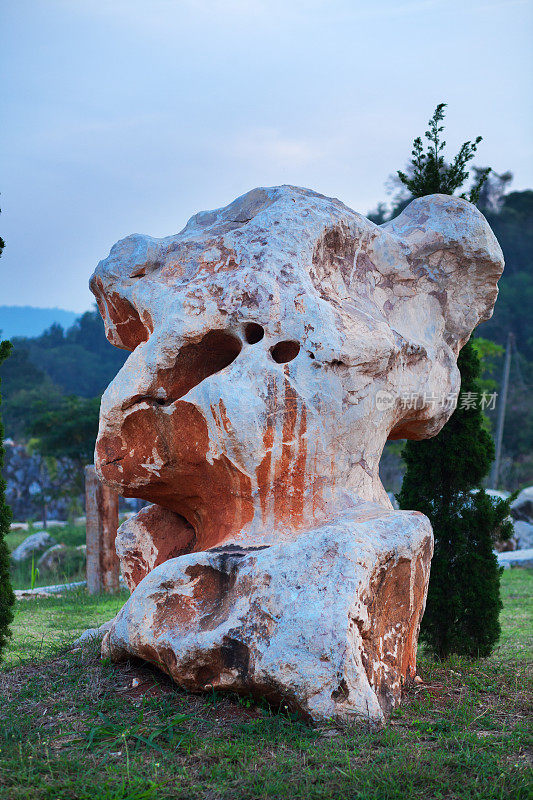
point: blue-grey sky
(122, 116)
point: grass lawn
(73, 727)
(70, 534)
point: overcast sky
(123, 116)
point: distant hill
(31, 321)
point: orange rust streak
(224, 417)
(281, 482)
(299, 473)
(229, 430)
(315, 485)
(148, 321)
(218, 424)
(243, 508)
(263, 470)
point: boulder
(326, 622)
(63, 559)
(523, 534)
(522, 507)
(92, 634)
(52, 558)
(518, 558)
(19, 526)
(35, 544)
(276, 345)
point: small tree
(7, 598)
(442, 473)
(68, 431)
(463, 602)
(430, 174)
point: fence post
(101, 510)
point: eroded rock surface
(326, 623)
(276, 345)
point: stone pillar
(101, 509)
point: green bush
(463, 602)
(7, 597)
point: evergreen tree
(464, 590)
(428, 171)
(7, 598)
(442, 473)
(68, 431)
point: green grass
(70, 534)
(73, 726)
(44, 627)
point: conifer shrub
(441, 481)
(443, 474)
(7, 598)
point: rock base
(326, 623)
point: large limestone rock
(326, 622)
(276, 345)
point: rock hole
(282, 352)
(341, 693)
(194, 363)
(235, 656)
(253, 332)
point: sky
(129, 116)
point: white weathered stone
(522, 507)
(61, 558)
(91, 634)
(516, 558)
(326, 621)
(276, 345)
(52, 558)
(34, 544)
(498, 494)
(523, 533)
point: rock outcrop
(30, 486)
(276, 345)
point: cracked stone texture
(277, 344)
